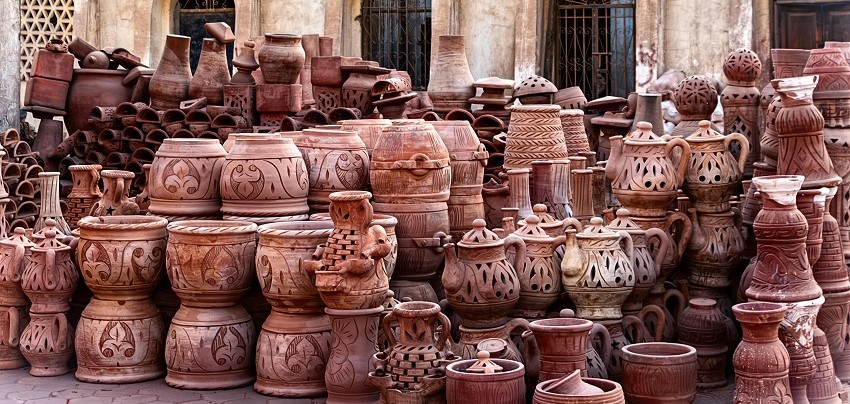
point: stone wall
(9, 64)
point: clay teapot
(597, 272)
(539, 278)
(644, 174)
(713, 175)
(480, 283)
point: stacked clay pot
(485, 380)
(704, 327)
(741, 101)
(120, 334)
(761, 360)
(659, 372)
(369, 130)
(534, 133)
(184, 179)
(14, 304)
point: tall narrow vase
(212, 73)
(170, 84)
(451, 86)
(761, 361)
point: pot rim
(125, 222)
(296, 229)
(210, 227)
(561, 324)
(452, 370)
(608, 387)
(631, 351)
(416, 309)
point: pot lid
(705, 133)
(531, 229)
(18, 238)
(479, 236)
(547, 221)
(596, 229)
(50, 243)
(644, 134)
(484, 364)
(623, 221)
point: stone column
(525, 39)
(648, 48)
(10, 56)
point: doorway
(193, 14)
(808, 24)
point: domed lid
(50, 243)
(742, 67)
(623, 221)
(531, 229)
(484, 364)
(18, 238)
(534, 85)
(644, 135)
(547, 221)
(479, 236)
(596, 229)
(695, 96)
(705, 133)
(494, 82)
(570, 385)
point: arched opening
(193, 14)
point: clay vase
(184, 179)
(210, 343)
(91, 88)
(520, 196)
(574, 389)
(800, 127)
(696, 99)
(811, 203)
(485, 380)
(597, 271)
(646, 264)
(716, 247)
(539, 277)
(84, 193)
(659, 372)
(741, 99)
(534, 133)
(49, 280)
(212, 73)
(780, 230)
(704, 327)
(413, 366)
(644, 177)
(264, 180)
(823, 388)
(337, 160)
(115, 200)
(369, 130)
(481, 285)
(119, 337)
(389, 224)
(453, 87)
(796, 331)
(170, 84)
(713, 175)
(353, 334)
(563, 345)
(281, 58)
(13, 302)
(50, 209)
(496, 196)
(761, 361)
(575, 137)
(347, 275)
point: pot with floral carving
(184, 179)
(210, 343)
(713, 175)
(659, 372)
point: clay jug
(85, 191)
(539, 278)
(185, 177)
(170, 84)
(704, 327)
(715, 250)
(116, 195)
(485, 380)
(14, 255)
(453, 87)
(281, 58)
(644, 177)
(597, 272)
(574, 389)
(264, 179)
(646, 264)
(563, 345)
(780, 230)
(659, 372)
(212, 73)
(481, 285)
(761, 361)
(47, 343)
(713, 176)
(347, 275)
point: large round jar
(281, 58)
(264, 180)
(702, 326)
(90, 88)
(419, 246)
(410, 164)
(184, 178)
(506, 386)
(337, 161)
(369, 130)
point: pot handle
(630, 246)
(119, 191)
(17, 263)
(633, 322)
(436, 242)
(663, 246)
(388, 331)
(684, 158)
(661, 320)
(51, 273)
(14, 321)
(444, 334)
(745, 148)
(62, 336)
(605, 339)
(680, 300)
(685, 234)
(519, 246)
(418, 164)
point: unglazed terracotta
(170, 84)
(796, 331)
(369, 130)
(184, 178)
(485, 380)
(292, 355)
(563, 345)
(212, 73)
(281, 58)
(520, 196)
(354, 334)
(410, 164)
(50, 209)
(264, 180)
(120, 334)
(453, 87)
(499, 341)
(116, 195)
(811, 203)
(696, 99)
(659, 372)
(14, 315)
(823, 387)
(539, 277)
(534, 133)
(575, 137)
(761, 361)
(702, 326)
(713, 175)
(644, 172)
(740, 100)
(574, 389)
(597, 270)
(646, 264)
(481, 285)
(85, 191)
(716, 247)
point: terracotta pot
(696, 99)
(170, 84)
(534, 133)
(740, 101)
(506, 385)
(389, 224)
(823, 387)
(369, 130)
(90, 88)
(47, 343)
(453, 87)
(662, 372)
(410, 164)
(574, 389)
(539, 278)
(563, 345)
(715, 250)
(353, 336)
(496, 340)
(49, 278)
(480, 283)
(264, 180)
(572, 122)
(13, 321)
(713, 175)
(597, 272)
(648, 109)
(347, 275)
(115, 200)
(185, 178)
(761, 361)
(796, 332)
(811, 203)
(496, 196)
(281, 58)
(85, 191)
(704, 327)
(337, 161)
(212, 73)
(14, 256)
(297, 370)
(50, 209)
(646, 264)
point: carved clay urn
(184, 179)
(659, 372)
(715, 250)
(696, 99)
(644, 176)
(646, 264)
(563, 345)
(116, 195)
(347, 275)
(481, 285)
(704, 327)
(212, 73)
(539, 277)
(597, 270)
(281, 58)
(713, 175)
(453, 87)
(761, 361)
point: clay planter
(210, 265)
(264, 180)
(481, 285)
(453, 87)
(184, 178)
(170, 84)
(597, 272)
(702, 326)
(716, 247)
(563, 345)
(337, 161)
(231, 138)
(659, 372)
(292, 355)
(353, 336)
(761, 360)
(281, 58)
(410, 164)
(85, 191)
(212, 73)
(347, 275)
(116, 190)
(534, 133)
(369, 130)
(505, 385)
(644, 174)
(713, 175)
(574, 389)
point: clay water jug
(453, 87)
(539, 278)
(646, 263)
(713, 175)
(116, 195)
(85, 191)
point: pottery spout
(452, 274)
(697, 234)
(614, 166)
(574, 259)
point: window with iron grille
(195, 13)
(595, 46)
(397, 35)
